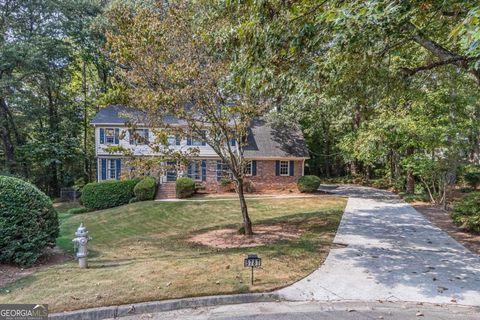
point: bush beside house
(184, 187)
(145, 189)
(108, 194)
(28, 222)
(466, 213)
(308, 183)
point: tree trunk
(326, 159)
(8, 146)
(52, 172)
(410, 187)
(368, 172)
(86, 174)
(354, 170)
(247, 224)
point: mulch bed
(263, 234)
(10, 273)
(442, 219)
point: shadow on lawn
(317, 230)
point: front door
(171, 171)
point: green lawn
(139, 253)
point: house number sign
(252, 261)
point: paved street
(319, 310)
(391, 253)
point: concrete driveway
(388, 251)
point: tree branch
(309, 12)
(455, 61)
(446, 56)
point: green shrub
(28, 222)
(308, 183)
(466, 213)
(381, 183)
(471, 175)
(145, 189)
(184, 187)
(423, 197)
(108, 194)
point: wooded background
(383, 89)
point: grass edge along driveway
(139, 253)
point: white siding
(143, 150)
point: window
(196, 170)
(171, 140)
(195, 141)
(222, 170)
(284, 168)
(110, 135)
(248, 168)
(139, 136)
(111, 169)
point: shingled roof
(119, 115)
(265, 139)
(272, 140)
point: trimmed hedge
(184, 187)
(308, 183)
(466, 213)
(28, 222)
(145, 189)
(108, 194)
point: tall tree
(37, 49)
(366, 58)
(170, 66)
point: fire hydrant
(80, 245)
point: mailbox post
(252, 261)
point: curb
(113, 312)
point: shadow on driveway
(393, 253)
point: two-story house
(276, 155)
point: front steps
(166, 191)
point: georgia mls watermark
(23, 311)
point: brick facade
(267, 180)
(264, 180)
